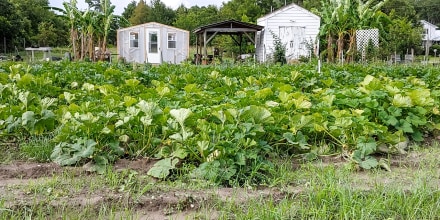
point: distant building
(430, 33)
(297, 28)
(153, 43)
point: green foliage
(140, 13)
(224, 121)
(129, 10)
(400, 43)
(279, 53)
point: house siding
(293, 17)
(433, 33)
(139, 54)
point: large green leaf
(70, 154)
(28, 119)
(161, 168)
(180, 115)
(421, 97)
(257, 114)
(402, 101)
(369, 163)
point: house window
(134, 39)
(172, 40)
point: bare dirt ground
(20, 181)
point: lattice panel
(364, 36)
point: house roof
(429, 24)
(151, 23)
(287, 7)
(229, 26)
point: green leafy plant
(279, 50)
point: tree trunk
(90, 47)
(340, 45)
(104, 48)
(82, 45)
(330, 54)
(351, 46)
(74, 36)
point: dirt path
(27, 184)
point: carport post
(205, 50)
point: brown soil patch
(28, 170)
(140, 165)
(171, 204)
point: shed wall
(139, 54)
(305, 25)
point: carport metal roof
(206, 33)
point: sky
(121, 4)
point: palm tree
(107, 18)
(328, 27)
(368, 15)
(71, 12)
(89, 27)
(342, 18)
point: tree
(428, 10)
(236, 9)
(31, 13)
(190, 19)
(47, 34)
(140, 13)
(8, 21)
(402, 9)
(161, 13)
(106, 18)
(342, 18)
(402, 36)
(129, 10)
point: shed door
(294, 39)
(153, 46)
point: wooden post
(241, 42)
(205, 50)
(197, 50)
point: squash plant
(226, 122)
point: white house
(153, 43)
(297, 28)
(430, 33)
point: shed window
(172, 40)
(134, 39)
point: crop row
(224, 122)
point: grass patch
(312, 190)
(37, 148)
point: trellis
(363, 37)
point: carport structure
(205, 34)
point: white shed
(297, 28)
(153, 43)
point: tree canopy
(26, 22)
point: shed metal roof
(228, 26)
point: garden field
(118, 141)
